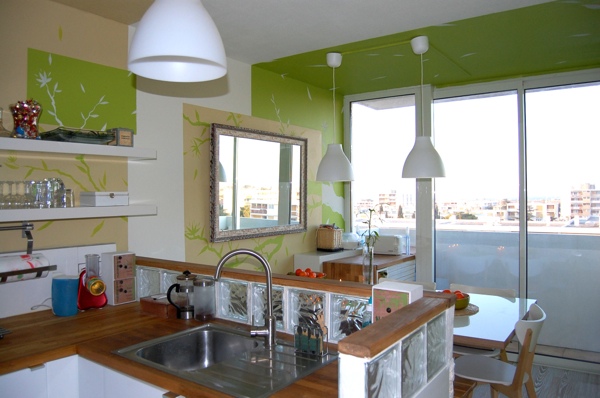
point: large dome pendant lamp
(334, 166)
(423, 161)
(177, 41)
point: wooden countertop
(380, 261)
(39, 337)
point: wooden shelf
(19, 144)
(70, 213)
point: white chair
(506, 293)
(503, 377)
(426, 285)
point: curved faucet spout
(270, 326)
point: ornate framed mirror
(257, 183)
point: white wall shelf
(19, 144)
(70, 213)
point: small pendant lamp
(423, 161)
(334, 166)
(177, 41)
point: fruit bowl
(462, 303)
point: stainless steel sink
(196, 349)
(227, 360)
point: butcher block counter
(40, 337)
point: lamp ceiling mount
(334, 60)
(420, 44)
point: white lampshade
(222, 173)
(335, 166)
(177, 41)
(423, 161)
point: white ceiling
(256, 31)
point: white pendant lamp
(177, 41)
(334, 166)
(423, 161)
(222, 173)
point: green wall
(288, 101)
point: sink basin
(196, 349)
(227, 360)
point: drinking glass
(19, 194)
(42, 194)
(56, 192)
(4, 195)
(28, 194)
(12, 195)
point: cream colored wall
(277, 249)
(61, 30)
(160, 123)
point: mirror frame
(218, 235)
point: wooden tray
(471, 309)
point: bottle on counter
(367, 315)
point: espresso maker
(184, 297)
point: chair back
(534, 321)
(490, 291)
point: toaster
(389, 244)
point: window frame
(425, 228)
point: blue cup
(64, 295)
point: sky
(478, 142)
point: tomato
(457, 291)
(320, 275)
(308, 270)
(302, 273)
(312, 275)
(459, 295)
(447, 291)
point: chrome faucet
(268, 331)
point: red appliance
(85, 299)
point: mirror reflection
(258, 183)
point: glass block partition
(240, 301)
(418, 364)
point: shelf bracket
(26, 227)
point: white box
(103, 199)
(390, 296)
(118, 272)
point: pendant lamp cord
(422, 129)
(333, 136)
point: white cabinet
(62, 377)
(24, 145)
(55, 379)
(97, 381)
(29, 383)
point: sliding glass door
(477, 227)
(563, 206)
(520, 204)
